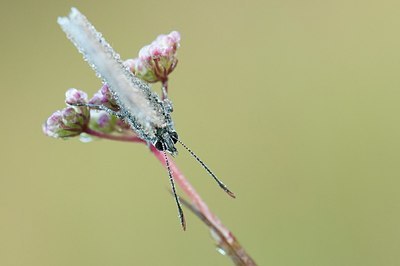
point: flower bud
(104, 97)
(74, 96)
(102, 121)
(53, 124)
(145, 73)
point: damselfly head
(166, 140)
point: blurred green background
(294, 104)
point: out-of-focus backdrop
(294, 104)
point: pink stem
(236, 252)
(128, 138)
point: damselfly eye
(174, 137)
(159, 146)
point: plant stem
(127, 138)
(224, 238)
(164, 89)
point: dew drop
(85, 138)
(221, 251)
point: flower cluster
(155, 62)
(68, 122)
(79, 116)
(158, 59)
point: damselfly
(141, 108)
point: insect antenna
(222, 185)
(171, 180)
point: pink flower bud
(144, 53)
(74, 96)
(104, 97)
(175, 36)
(102, 121)
(156, 51)
(53, 124)
(97, 98)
